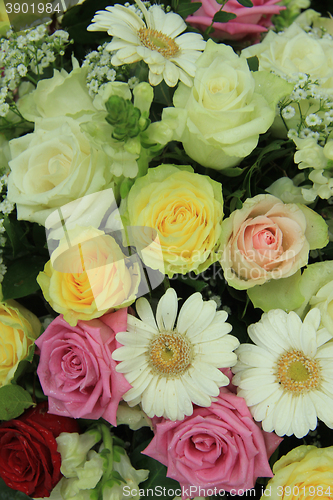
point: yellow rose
(305, 472)
(89, 277)
(186, 211)
(18, 330)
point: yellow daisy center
(155, 40)
(170, 354)
(298, 373)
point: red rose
(29, 460)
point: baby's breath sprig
(308, 111)
(101, 71)
(23, 57)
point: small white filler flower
(171, 367)
(287, 378)
(155, 40)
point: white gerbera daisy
(170, 368)
(287, 377)
(155, 41)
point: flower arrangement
(166, 245)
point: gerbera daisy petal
(170, 74)
(148, 397)
(197, 397)
(189, 312)
(295, 386)
(168, 369)
(154, 40)
(166, 312)
(141, 383)
(205, 384)
(159, 397)
(154, 79)
(131, 364)
(145, 313)
(324, 407)
(171, 400)
(206, 317)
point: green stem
(108, 445)
(32, 80)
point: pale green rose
(295, 51)
(268, 240)
(65, 94)
(185, 210)
(53, 166)
(221, 117)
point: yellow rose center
(298, 373)
(155, 40)
(170, 354)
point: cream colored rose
(53, 166)
(18, 330)
(305, 472)
(224, 112)
(89, 277)
(267, 239)
(185, 210)
(65, 94)
(295, 51)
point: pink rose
(268, 239)
(217, 447)
(76, 369)
(249, 21)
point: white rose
(223, 113)
(53, 166)
(293, 52)
(65, 94)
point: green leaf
(13, 401)
(253, 63)
(223, 17)
(232, 171)
(15, 233)
(20, 278)
(245, 3)
(7, 493)
(185, 10)
(283, 294)
(157, 472)
(192, 282)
